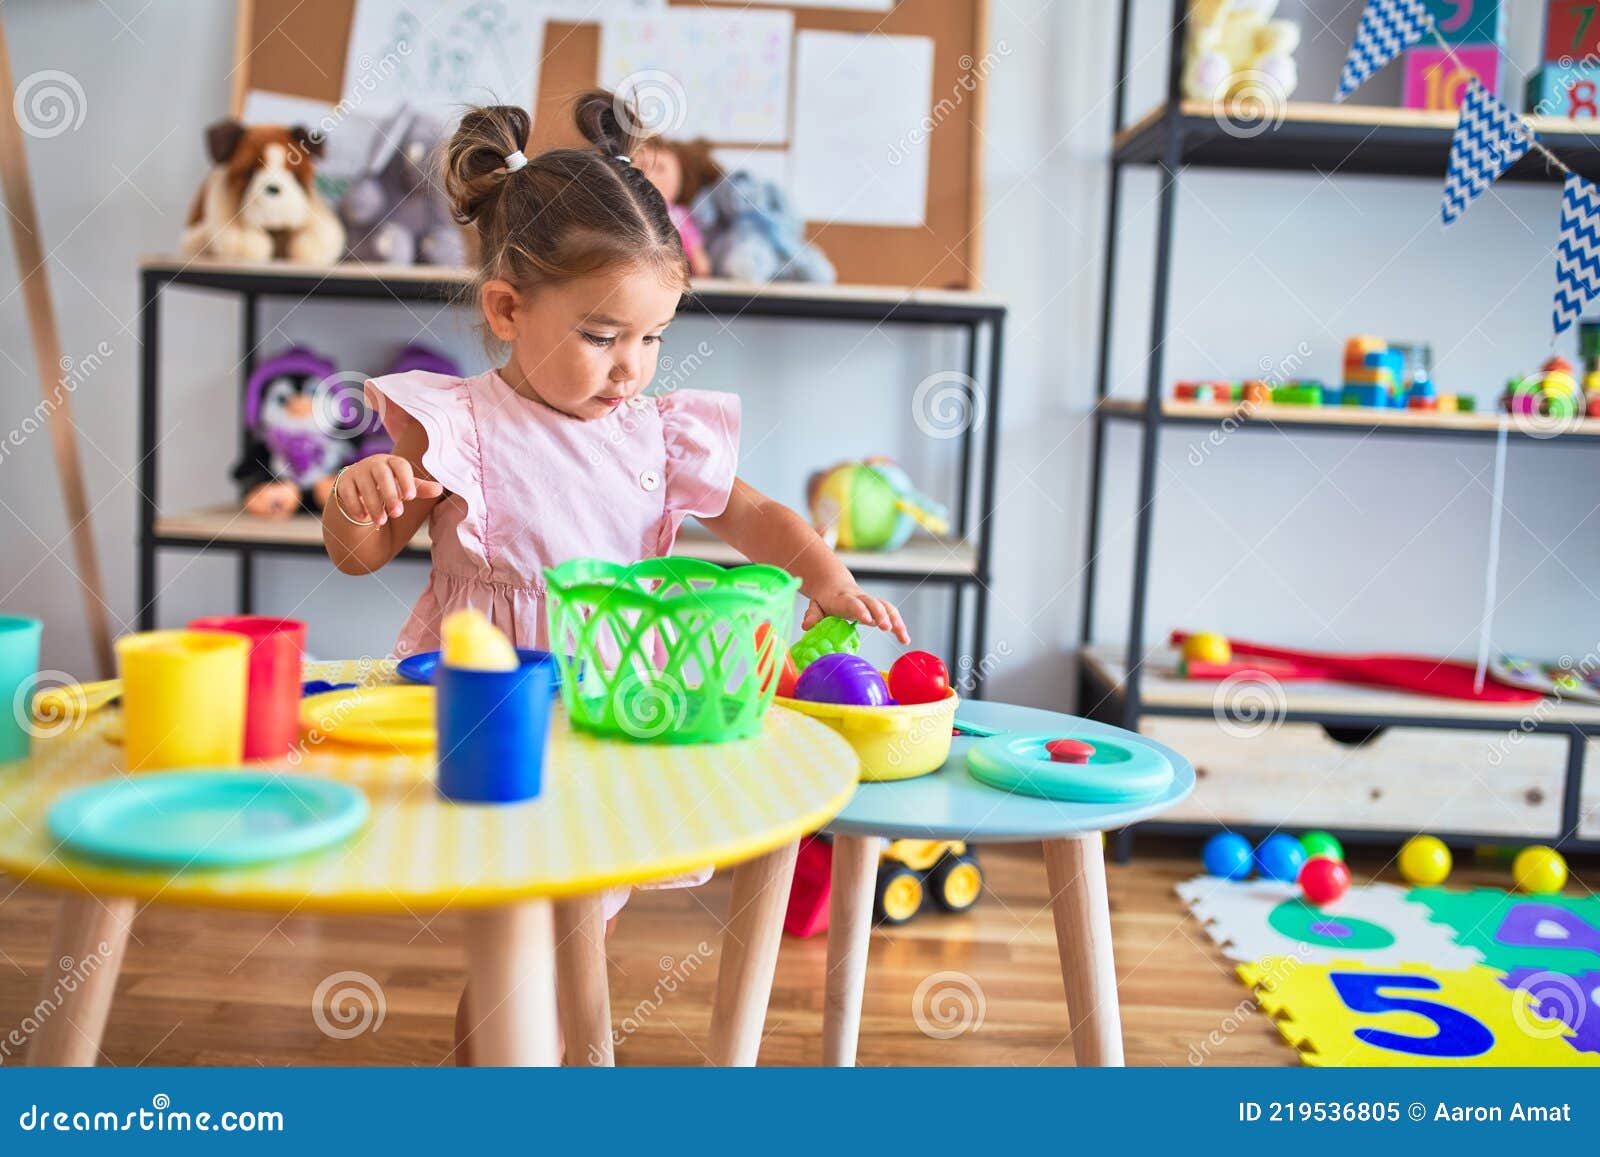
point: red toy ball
(1324, 879)
(918, 677)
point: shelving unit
(1332, 140)
(960, 563)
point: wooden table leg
(583, 998)
(511, 974)
(1076, 870)
(750, 955)
(86, 954)
(854, 882)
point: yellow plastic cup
(183, 698)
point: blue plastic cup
(492, 730)
(19, 668)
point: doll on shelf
(680, 170)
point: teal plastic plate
(207, 818)
(1115, 773)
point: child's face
(587, 346)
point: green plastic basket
(665, 650)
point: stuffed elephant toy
(396, 214)
(753, 235)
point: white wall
(1335, 542)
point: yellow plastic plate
(388, 716)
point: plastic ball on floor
(1425, 861)
(1229, 855)
(1322, 844)
(1208, 647)
(1280, 857)
(1539, 870)
(1324, 879)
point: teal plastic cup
(19, 668)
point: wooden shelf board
(1160, 686)
(1485, 422)
(229, 524)
(1354, 138)
(357, 271)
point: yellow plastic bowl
(891, 742)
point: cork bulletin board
(298, 49)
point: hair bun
(475, 159)
(609, 123)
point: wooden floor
(224, 988)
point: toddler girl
(559, 453)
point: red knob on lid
(1069, 750)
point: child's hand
(379, 486)
(851, 602)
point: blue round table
(950, 804)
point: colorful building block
(1571, 31)
(1571, 91)
(1363, 395)
(1433, 80)
(1469, 21)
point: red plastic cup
(272, 710)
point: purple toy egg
(845, 679)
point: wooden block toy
(1594, 407)
(1563, 91)
(1570, 31)
(1446, 403)
(1469, 21)
(1185, 391)
(1364, 395)
(1421, 402)
(1298, 395)
(1466, 403)
(1433, 80)
(1257, 393)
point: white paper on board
(440, 55)
(703, 72)
(861, 127)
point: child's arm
(393, 490)
(769, 532)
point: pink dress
(529, 487)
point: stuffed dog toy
(260, 200)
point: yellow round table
(530, 875)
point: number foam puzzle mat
(1394, 976)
